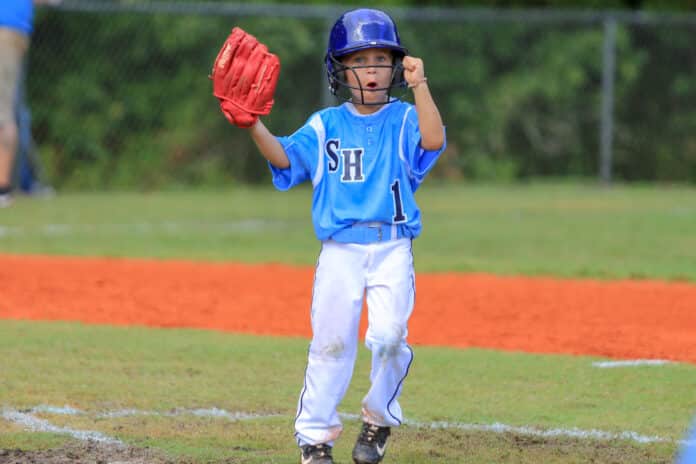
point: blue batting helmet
(357, 30)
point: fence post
(607, 116)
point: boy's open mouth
(371, 85)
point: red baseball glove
(244, 78)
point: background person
(16, 26)
(687, 454)
(29, 175)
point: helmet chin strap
(362, 101)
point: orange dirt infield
(617, 319)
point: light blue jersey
(363, 168)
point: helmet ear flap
(333, 68)
(398, 79)
(333, 83)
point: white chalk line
(28, 420)
(33, 423)
(631, 363)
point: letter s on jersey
(332, 147)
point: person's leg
(8, 146)
(336, 305)
(13, 46)
(390, 298)
(24, 176)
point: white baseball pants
(346, 272)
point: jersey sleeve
(419, 160)
(302, 149)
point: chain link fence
(121, 97)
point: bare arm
(268, 145)
(429, 119)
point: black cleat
(371, 444)
(316, 454)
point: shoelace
(371, 432)
(320, 451)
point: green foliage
(664, 119)
(128, 102)
(123, 100)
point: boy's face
(371, 71)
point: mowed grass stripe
(569, 230)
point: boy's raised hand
(414, 72)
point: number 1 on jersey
(399, 215)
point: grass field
(565, 230)
(206, 396)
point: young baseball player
(365, 159)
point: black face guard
(339, 84)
